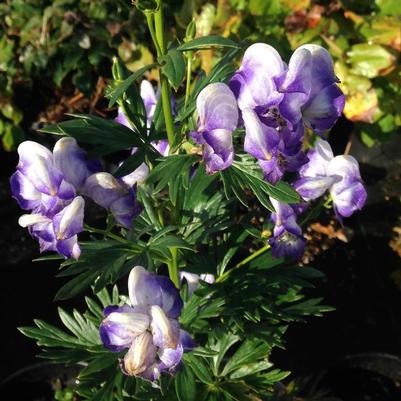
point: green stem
(189, 56)
(165, 88)
(244, 262)
(151, 26)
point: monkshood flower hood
(148, 327)
(287, 239)
(338, 175)
(218, 118)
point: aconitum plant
(187, 292)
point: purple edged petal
(297, 78)
(186, 340)
(149, 289)
(348, 193)
(36, 163)
(260, 140)
(314, 187)
(125, 209)
(253, 83)
(70, 159)
(141, 357)
(69, 247)
(218, 151)
(104, 189)
(217, 108)
(70, 220)
(121, 326)
(323, 110)
(319, 159)
(322, 69)
(287, 245)
(24, 192)
(170, 358)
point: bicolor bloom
(113, 194)
(276, 102)
(148, 327)
(58, 233)
(218, 118)
(193, 280)
(287, 240)
(338, 175)
(45, 183)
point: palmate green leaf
(173, 67)
(185, 385)
(199, 366)
(101, 262)
(108, 135)
(169, 168)
(208, 42)
(130, 164)
(120, 89)
(245, 174)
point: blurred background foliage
(55, 56)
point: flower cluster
(148, 327)
(50, 185)
(274, 102)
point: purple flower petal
(217, 108)
(149, 289)
(104, 189)
(323, 110)
(125, 209)
(260, 140)
(25, 193)
(36, 163)
(349, 194)
(314, 187)
(69, 247)
(121, 325)
(122, 119)
(218, 151)
(69, 221)
(70, 159)
(319, 159)
(297, 78)
(253, 83)
(170, 358)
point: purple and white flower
(218, 118)
(46, 183)
(58, 233)
(148, 327)
(287, 240)
(338, 175)
(276, 102)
